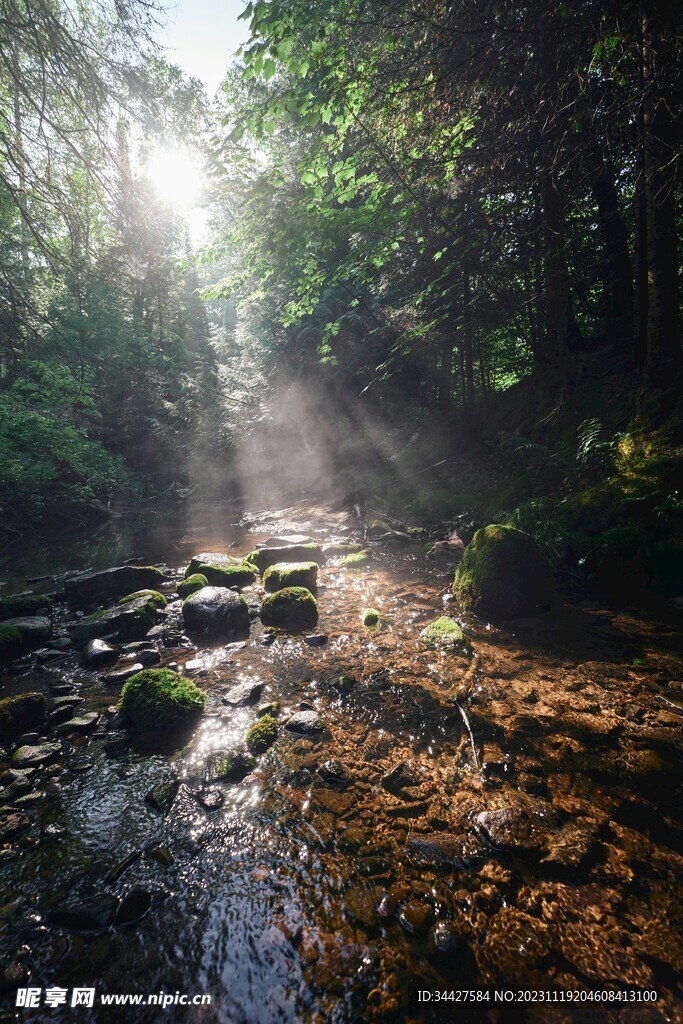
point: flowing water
(305, 898)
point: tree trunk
(660, 164)
(617, 270)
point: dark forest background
(441, 276)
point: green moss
(444, 632)
(111, 620)
(261, 735)
(357, 559)
(23, 604)
(291, 574)
(192, 584)
(10, 642)
(503, 574)
(293, 607)
(157, 599)
(160, 699)
(371, 617)
(20, 714)
(228, 575)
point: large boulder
(89, 587)
(290, 608)
(216, 612)
(263, 558)
(291, 574)
(129, 621)
(25, 634)
(503, 574)
(158, 698)
(21, 714)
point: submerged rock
(503, 574)
(81, 724)
(121, 675)
(436, 849)
(88, 587)
(293, 608)
(162, 796)
(88, 916)
(356, 560)
(133, 906)
(216, 612)
(20, 714)
(445, 939)
(229, 766)
(506, 828)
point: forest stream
(501, 816)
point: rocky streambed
(424, 808)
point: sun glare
(176, 177)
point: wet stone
(506, 828)
(133, 906)
(30, 756)
(62, 689)
(99, 652)
(445, 939)
(399, 777)
(305, 723)
(416, 917)
(121, 675)
(229, 766)
(315, 640)
(12, 826)
(88, 916)
(81, 724)
(211, 798)
(360, 904)
(244, 693)
(334, 773)
(162, 796)
(437, 849)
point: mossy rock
(211, 558)
(356, 560)
(371, 617)
(229, 765)
(10, 643)
(20, 714)
(292, 607)
(503, 574)
(241, 575)
(157, 599)
(33, 631)
(131, 620)
(261, 735)
(263, 558)
(291, 574)
(94, 587)
(158, 698)
(444, 632)
(191, 584)
(336, 550)
(24, 604)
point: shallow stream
(305, 898)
